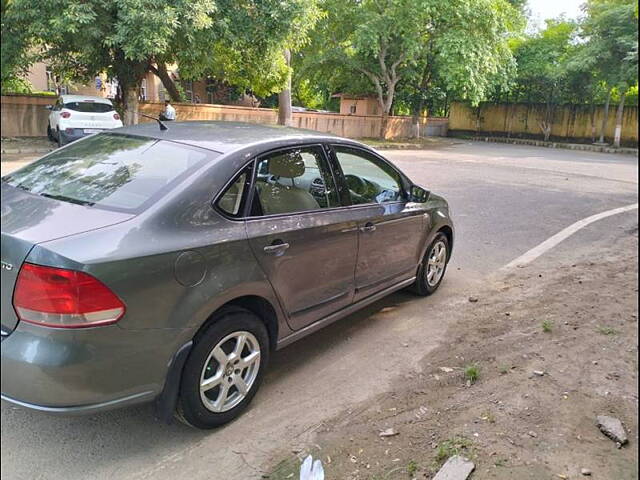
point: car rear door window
(232, 200)
(368, 178)
(295, 180)
(117, 172)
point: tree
(610, 29)
(388, 42)
(242, 41)
(542, 60)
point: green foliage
(547, 326)
(16, 85)
(611, 33)
(578, 61)
(240, 41)
(426, 51)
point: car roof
(225, 137)
(84, 98)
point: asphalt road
(505, 200)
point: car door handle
(276, 248)
(368, 227)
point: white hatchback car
(76, 116)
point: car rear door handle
(368, 227)
(276, 248)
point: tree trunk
(130, 104)
(618, 133)
(162, 73)
(605, 117)
(384, 124)
(284, 97)
(417, 114)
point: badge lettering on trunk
(7, 266)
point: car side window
(231, 201)
(295, 180)
(368, 178)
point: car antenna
(160, 123)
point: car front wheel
(224, 370)
(433, 266)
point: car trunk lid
(27, 220)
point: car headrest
(289, 165)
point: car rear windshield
(116, 172)
(89, 107)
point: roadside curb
(568, 146)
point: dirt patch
(26, 145)
(517, 387)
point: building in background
(358, 104)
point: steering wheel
(356, 184)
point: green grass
(454, 446)
(504, 369)
(412, 468)
(604, 330)
(547, 326)
(472, 373)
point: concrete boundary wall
(26, 116)
(571, 123)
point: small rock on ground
(456, 468)
(389, 432)
(585, 471)
(612, 428)
(473, 299)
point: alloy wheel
(230, 371)
(436, 263)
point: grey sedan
(166, 265)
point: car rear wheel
(50, 133)
(59, 138)
(224, 370)
(433, 266)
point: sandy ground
(577, 322)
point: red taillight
(57, 297)
(65, 114)
(116, 116)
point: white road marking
(551, 242)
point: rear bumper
(85, 370)
(84, 409)
(71, 134)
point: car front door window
(368, 180)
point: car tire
(433, 267)
(50, 133)
(213, 393)
(59, 138)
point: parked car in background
(76, 116)
(144, 264)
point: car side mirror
(49, 107)
(418, 194)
